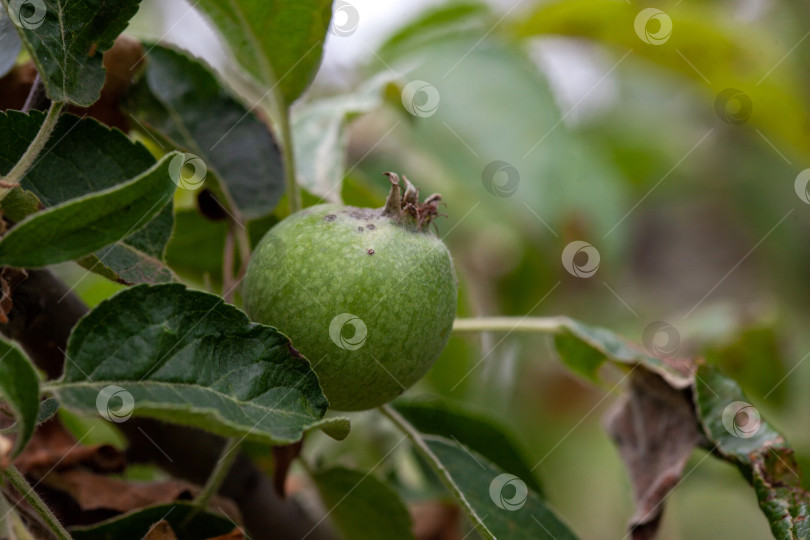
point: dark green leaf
(473, 430)
(187, 357)
(47, 408)
(737, 432)
(135, 524)
(66, 40)
(85, 224)
(19, 387)
(277, 42)
(361, 506)
(84, 157)
(500, 504)
(10, 44)
(181, 101)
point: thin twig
(27, 160)
(510, 324)
(19, 482)
(293, 191)
(218, 475)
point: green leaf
(84, 157)
(453, 19)
(135, 524)
(361, 506)
(473, 430)
(187, 357)
(66, 40)
(19, 387)
(19, 203)
(47, 408)
(321, 140)
(717, 52)
(10, 44)
(737, 432)
(85, 224)
(584, 348)
(277, 42)
(196, 247)
(500, 504)
(180, 100)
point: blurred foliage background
(686, 190)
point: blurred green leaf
(704, 46)
(473, 430)
(134, 525)
(82, 225)
(19, 387)
(10, 43)
(761, 453)
(84, 157)
(754, 360)
(66, 40)
(180, 99)
(321, 138)
(196, 247)
(508, 133)
(361, 506)
(187, 357)
(278, 42)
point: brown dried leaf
(53, 448)
(656, 430)
(93, 491)
(160, 531)
(433, 520)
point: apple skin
(367, 298)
